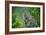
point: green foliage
(17, 20)
(35, 12)
(18, 23)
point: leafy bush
(17, 16)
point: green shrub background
(18, 22)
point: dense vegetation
(18, 18)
